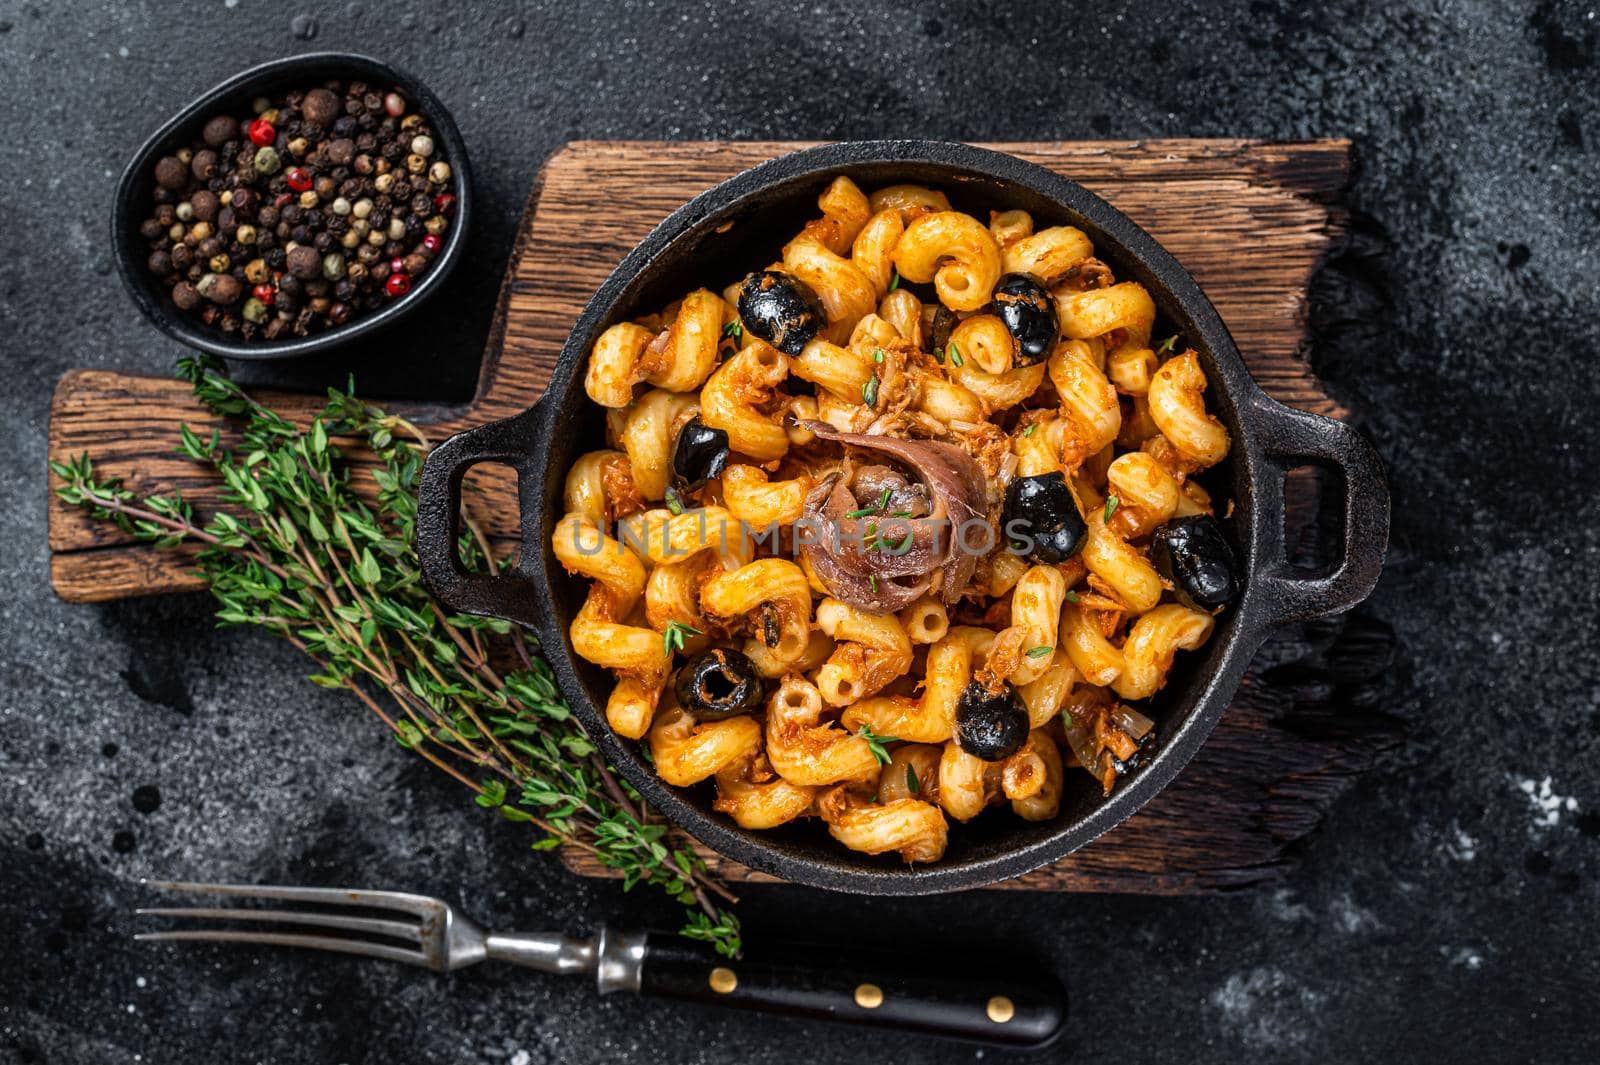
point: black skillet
(739, 225)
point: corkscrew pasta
(897, 529)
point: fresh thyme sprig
(299, 553)
(875, 743)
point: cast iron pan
(737, 226)
(132, 204)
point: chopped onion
(1131, 721)
(1081, 739)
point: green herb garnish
(734, 329)
(1111, 507)
(895, 549)
(1166, 345)
(1072, 596)
(877, 354)
(875, 743)
(295, 549)
(913, 785)
(869, 392)
(677, 635)
(883, 500)
(894, 280)
(955, 354)
(1066, 718)
(674, 503)
(1040, 651)
(1031, 427)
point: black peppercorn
(160, 262)
(323, 242)
(244, 201)
(151, 229)
(268, 216)
(300, 234)
(293, 213)
(182, 257)
(285, 303)
(277, 258)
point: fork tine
(284, 939)
(420, 905)
(370, 925)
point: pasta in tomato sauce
(899, 528)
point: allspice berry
(171, 174)
(204, 164)
(321, 106)
(221, 289)
(219, 131)
(203, 205)
(186, 296)
(304, 262)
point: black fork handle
(1001, 1001)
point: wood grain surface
(1251, 221)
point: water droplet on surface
(303, 27)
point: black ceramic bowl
(233, 96)
(737, 226)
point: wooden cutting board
(1251, 221)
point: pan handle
(511, 595)
(1292, 437)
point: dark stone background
(1440, 913)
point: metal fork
(984, 998)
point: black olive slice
(718, 684)
(990, 725)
